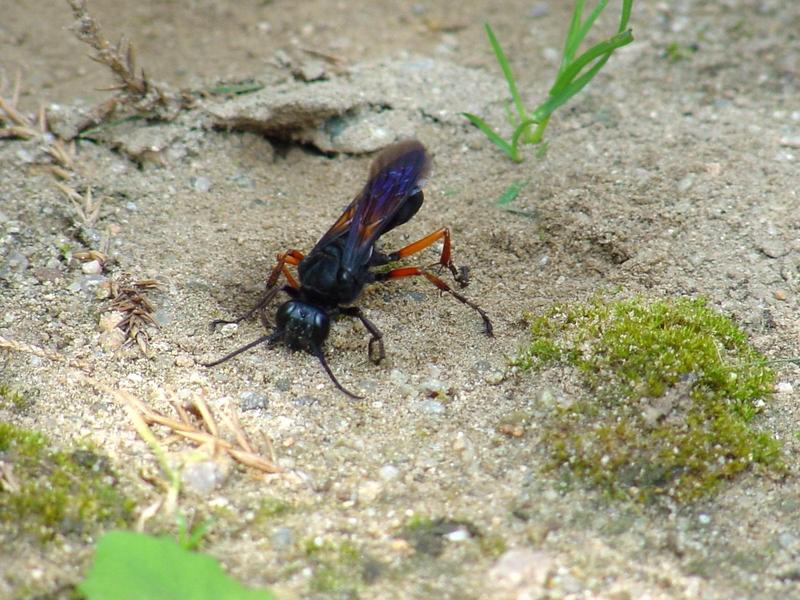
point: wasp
(331, 277)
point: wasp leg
(445, 260)
(292, 257)
(416, 271)
(377, 335)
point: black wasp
(333, 274)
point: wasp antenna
(318, 353)
(270, 338)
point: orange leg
(444, 260)
(416, 271)
(291, 257)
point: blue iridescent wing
(395, 175)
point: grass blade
(512, 191)
(493, 136)
(587, 25)
(603, 48)
(570, 48)
(503, 62)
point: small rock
(432, 407)
(200, 184)
(228, 330)
(304, 401)
(388, 472)
(685, 183)
(784, 387)
(282, 538)
(780, 295)
(790, 141)
(369, 491)
(250, 400)
(773, 248)
(110, 320)
(539, 10)
(494, 377)
(203, 477)
(17, 262)
(47, 274)
(522, 568)
(787, 540)
(112, 340)
(184, 361)
(459, 535)
(93, 267)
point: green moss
(270, 508)
(54, 492)
(674, 386)
(340, 571)
(11, 399)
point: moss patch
(45, 492)
(340, 570)
(674, 386)
(13, 400)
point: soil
(673, 174)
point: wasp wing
(395, 175)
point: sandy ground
(664, 178)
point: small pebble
(204, 476)
(200, 184)
(459, 535)
(184, 361)
(109, 321)
(251, 400)
(93, 267)
(369, 491)
(703, 519)
(787, 540)
(432, 407)
(685, 183)
(47, 274)
(522, 567)
(494, 377)
(282, 538)
(538, 10)
(17, 262)
(784, 387)
(388, 472)
(780, 295)
(773, 248)
(111, 341)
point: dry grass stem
(133, 90)
(130, 299)
(86, 207)
(31, 349)
(199, 431)
(120, 59)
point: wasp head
(304, 326)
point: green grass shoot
(573, 75)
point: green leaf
(512, 191)
(135, 566)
